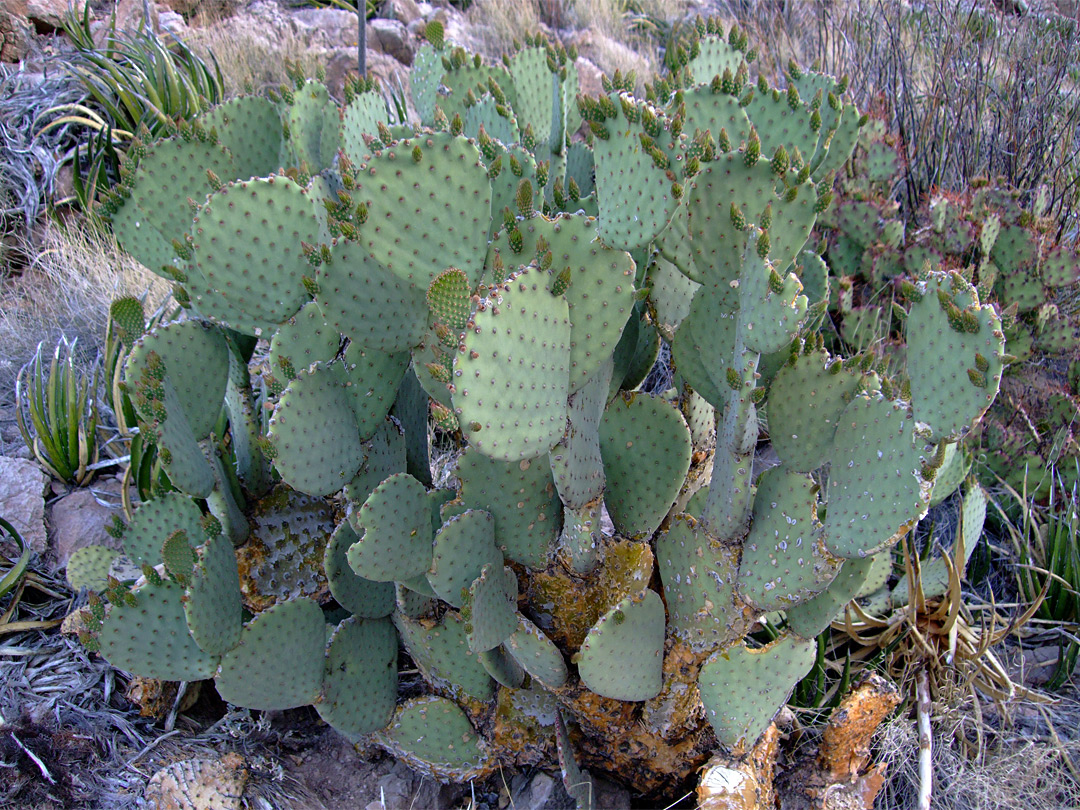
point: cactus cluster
(589, 584)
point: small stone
(79, 519)
(22, 500)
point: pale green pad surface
(279, 661)
(152, 638)
(89, 568)
(464, 545)
(371, 382)
(645, 444)
(250, 128)
(522, 498)
(196, 360)
(491, 608)
(362, 597)
(304, 339)
(575, 461)
(442, 653)
(187, 467)
(248, 252)
(537, 654)
(784, 561)
(809, 619)
(427, 216)
(622, 657)
(432, 733)
(314, 432)
(742, 689)
(502, 666)
(714, 56)
(706, 110)
(212, 601)
(699, 582)
(155, 520)
(361, 676)
(874, 483)
(394, 525)
(365, 301)
(512, 372)
(805, 404)
(940, 356)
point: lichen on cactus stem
(601, 552)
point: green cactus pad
(671, 294)
(424, 79)
(772, 317)
(535, 85)
(196, 360)
(944, 351)
(485, 113)
(372, 379)
(952, 472)
(253, 284)
(715, 55)
(212, 600)
(779, 124)
(172, 172)
(623, 655)
(412, 604)
(875, 488)
(575, 461)
(448, 298)
(283, 556)
(537, 654)
(718, 245)
(138, 236)
(360, 677)
(699, 578)
(361, 117)
(151, 638)
(155, 520)
(394, 525)
(634, 193)
(836, 146)
(441, 651)
(182, 458)
(420, 235)
(641, 432)
(501, 666)
(250, 128)
(491, 608)
(1061, 267)
(601, 291)
(432, 735)
(279, 661)
(810, 618)
(743, 688)
(806, 401)
(706, 110)
(522, 498)
(635, 356)
(314, 433)
(784, 560)
(361, 597)
(369, 304)
(464, 545)
(89, 568)
(580, 166)
(304, 339)
(313, 126)
(512, 372)
(705, 343)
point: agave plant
(60, 404)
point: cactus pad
(155, 520)
(511, 372)
(371, 381)
(641, 432)
(441, 651)
(537, 655)
(151, 637)
(464, 545)
(743, 688)
(491, 608)
(212, 600)
(394, 525)
(434, 736)
(360, 677)
(279, 661)
(359, 596)
(89, 568)
(622, 657)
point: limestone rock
(404, 11)
(22, 500)
(391, 38)
(16, 32)
(79, 520)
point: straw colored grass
(66, 290)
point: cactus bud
(738, 219)
(524, 199)
(561, 282)
(753, 148)
(763, 245)
(734, 381)
(723, 143)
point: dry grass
(66, 290)
(1014, 769)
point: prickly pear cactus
(484, 281)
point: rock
(16, 32)
(22, 500)
(391, 38)
(404, 11)
(389, 71)
(48, 14)
(79, 520)
(327, 27)
(404, 788)
(130, 15)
